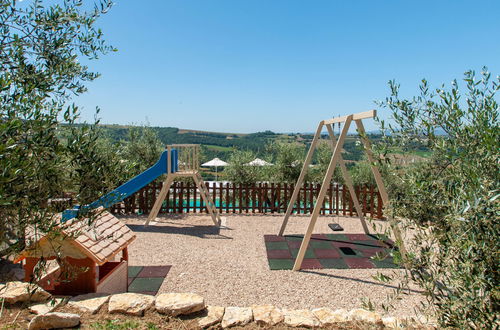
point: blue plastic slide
(128, 188)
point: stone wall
(178, 304)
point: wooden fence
(262, 198)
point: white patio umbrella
(216, 162)
(259, 162)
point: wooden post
(160, 199)
(330, 200)
(324, 187)
(260, 197)
(240, 198)
(208, 200)
(247, 198)
(300, 180)
(228, 198)
(181, 197)
(195, 199)
(337, 204)
(372, 204)
(221, 198)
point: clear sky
(280, 65)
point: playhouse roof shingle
(100, 239)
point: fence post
(167, 204)
(240, 199)
(188, 196)
(371, 202)
(194, 197)
(247, 198)
(228, 199)
(379, 206)
(365, 196)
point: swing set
(335, 160)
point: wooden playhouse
(91, 256)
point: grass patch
(119, 324)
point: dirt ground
(229, 266)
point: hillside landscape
(219, 144)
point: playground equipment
(337, 159)
(179, 160)
(185, 161)
(91, 247)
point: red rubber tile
(358, 263)
(311, 264)
(359, 237)
(294, 244)
(343, 244)
(279, 254)
(274, 238)
(371, 252)
(327, 253)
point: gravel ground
(229, 266)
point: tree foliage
(287, 161)
(142, 149)
(323, 155)
(41, 69)
(452, 199)
(238, 172)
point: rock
(301, 318)
(424, 322)
(130, 303)
(392, 322)
(174, 304)
(234, 316)
(47, 307)
(14, 292)
(214, 316)
(267, 315)
(328, 317)
(365, 316)
(54, 321)
(90, 302)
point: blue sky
(280, 65)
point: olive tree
(451, 200)
(41, 53)
(287, 162)
(142, 149)
(238, 172)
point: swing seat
(335, 227)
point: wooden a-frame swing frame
(336, 158)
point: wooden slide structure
(184, 163)
(336, 158)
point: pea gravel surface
(229, 266)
